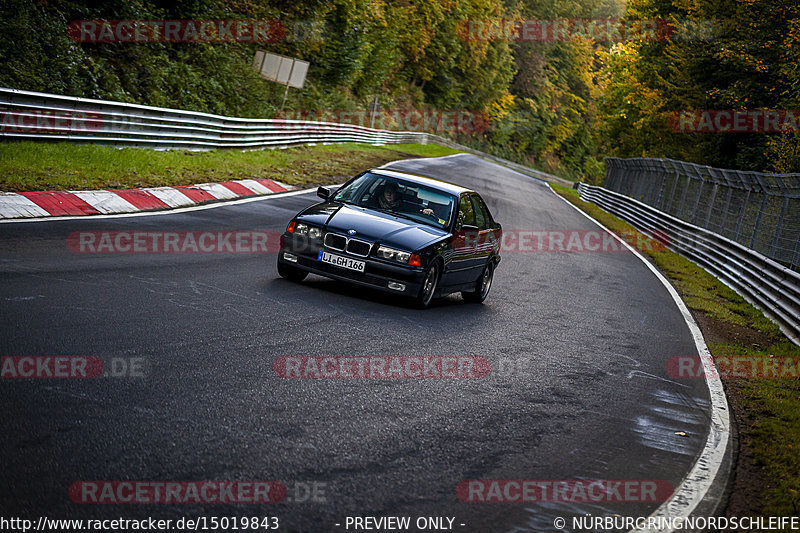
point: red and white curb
(61, 203)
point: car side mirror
(324, 193)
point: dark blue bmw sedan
(398, 232)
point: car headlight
(305, 230)
(391, 254)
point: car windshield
(406, 199)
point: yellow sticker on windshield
(442, 221)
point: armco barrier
(758, 210)
(44, 117)
(772, 287)
(38, 116)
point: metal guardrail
(765, 283)
(758, 210)
(35, 116)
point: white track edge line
(698, 481)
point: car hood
(373, 226)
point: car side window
(466, 213)
(482, 217)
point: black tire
(482, 286)
(291, 273)
(429, 285)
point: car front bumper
(377, 274)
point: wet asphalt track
(587, 334)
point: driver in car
(390, 200)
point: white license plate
(340, 261)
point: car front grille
(345, 244)
(357, 247)
(337, 242)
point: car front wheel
(429, 285)
(482, 286)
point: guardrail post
(620, 178)
(778, 228)
(741, 217)
(683, 196)
(661, 189)
(758, 220)
(656, 180)
(697, 200)
(619, 175)
(632, 176)
(677, 178)
(727, 206)
(641, 184)
(625, 178)
(711, 204)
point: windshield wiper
(395, 213)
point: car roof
(422, 180)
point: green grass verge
(772, 404)
(28, 166)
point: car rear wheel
(482, 286)
(291, 273)
(429, 285)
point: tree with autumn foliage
(725, 55)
